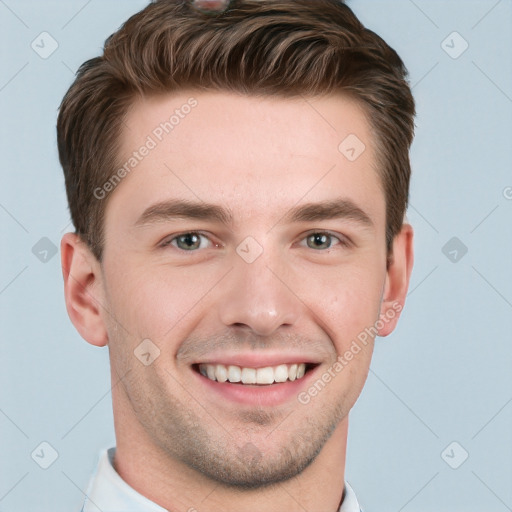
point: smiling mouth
(254, 376)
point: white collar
(108, 492)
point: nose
(256, 296)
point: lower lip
(264, 395)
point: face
(245, 245)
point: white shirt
(108, 492)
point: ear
(83, 289)
(397, 280)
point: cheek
(152, 301)
(347, 310)
(345, 301)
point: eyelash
(343, 240)
(169, 241)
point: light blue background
(443, 376)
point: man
(237, 176)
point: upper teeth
(267, 375)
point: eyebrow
(168, 210)
(335, 209)
(310, 212)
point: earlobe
(397, 280)
(82, 289)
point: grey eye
(188, 241)
(320, 241)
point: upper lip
(254, 360)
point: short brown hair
(255, 47)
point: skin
(178, 443)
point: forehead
(251, 152)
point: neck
(177, 487)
